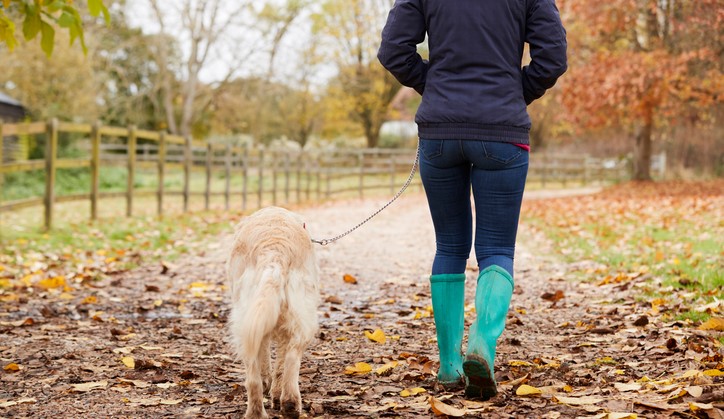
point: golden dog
(274, 284)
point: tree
(219, 39)
(123, 59)
(65, 86)
(642, 64)
(363, 88)
(40, 17)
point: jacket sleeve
(547, 39)
(404, 30)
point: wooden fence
(262, 176)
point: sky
(236, 40)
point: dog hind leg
(254, 391)
(277, 372)
(291, 398)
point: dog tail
(262, 316)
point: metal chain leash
(325, 242)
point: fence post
(308, 170)
(361, 163)
(51, 145)
(392, 173)
(299, 175)
(2, 175)
(261, 176)
(209, 161)
(188, 162)
(286, 176)
(95, 167)
(227, 176)
(131, 169)
(318, 169)
(274, 175)
(161, 170)
(245, 176)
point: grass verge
(671, 233)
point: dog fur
(274, 284)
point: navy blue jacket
(473, 86)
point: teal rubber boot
(448, 305)
(492, 299)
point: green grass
(672, 237)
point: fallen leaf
(714, 373)
(51, 283)
(12, 367)
(349, 279)
(695, 391)
(516, 363)
(129, 362)
(359, 368)
(439, 408)
(89, 386)
(386, 369)
(714, 323)
(376, 336)
(577, 401)
(621, 415)
(171, 401)
(18, 401)
(412, 391)
(694, 406)
(333, 300)
(137, 383)
(91, 299)
(553, 297)
(622, 387)
(526, 390)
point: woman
(474, 133)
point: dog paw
(290, 409)
(256, 413)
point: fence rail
(260, 175)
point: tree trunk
(642, 151)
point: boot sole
(481, 382)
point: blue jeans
(497, 172)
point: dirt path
(152, 344)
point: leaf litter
(571, 349)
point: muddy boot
(448, 304)
(492, 298)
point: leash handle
(415, 165)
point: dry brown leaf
(553, 297)
(695, 391)
(137, 383)
(439, 408)
(694, 406)
(10, 403)
(622, 387)
(577, 401)
(90, 386)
